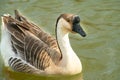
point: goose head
(70, 23)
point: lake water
(99, 51)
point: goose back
(32, 44)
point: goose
(25, 47)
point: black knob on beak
(76, 19)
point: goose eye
(68, 20)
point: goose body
(27, 48)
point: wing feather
(34, 29)
(33, 45)
(19, 65)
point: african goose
(27, 48)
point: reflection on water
(10, 75)
(98, 51)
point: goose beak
(78, 29)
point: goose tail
(6, 51)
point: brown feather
(34, 45)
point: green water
(99, 51)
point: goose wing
(32, 44)
(34, 29)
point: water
(98, 51)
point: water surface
(98, 51)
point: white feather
(70, 62)
(5, 45)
